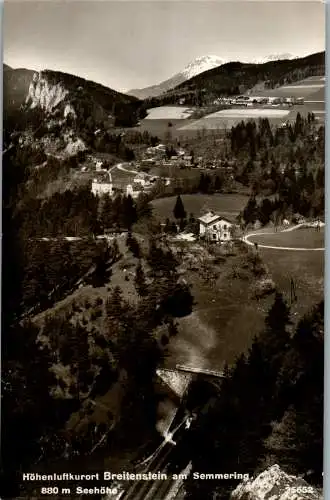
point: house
(130, 191)
(148, 162)
(188, 160)
(100, 188)
(140, 179)
(98, 165)
(213, 227)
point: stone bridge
(179, 378)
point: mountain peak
(201, 64)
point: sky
(136, 43)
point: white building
(214, 227)
(130, 191)
(99, 188)
(98, 165)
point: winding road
(247, 237)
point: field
(169, 113)
(306, 269)
(197, 204)
(300, 238)
(160, 128)
(318, 96)
(227, 118)
(311, 89)
(304, 88)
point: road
(247, 237)
(136, 172)
(79, 238)
(121, 167)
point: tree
(179, 211)
(265, 211)
(102, 271)
(218, 183)
(129, 215)
(133, 246)
(140, 281)
(275, 339)
(250, 212)
(107, 215)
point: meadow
(300, 238)
(227, 118)
(169, 113)
(197, 204)
(160, 128)
(304, 88)
(306, 269)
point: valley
(164, 275)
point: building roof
(211, 217)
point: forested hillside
(269, 409)
(59, 368)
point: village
(139, 178)
(250, 101)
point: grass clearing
(299, 238)
(169, 113)
(197, 204)
(307, 271)
(226, 122)
(160, 128)
(250, 113)
(305, 88)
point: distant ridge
(195, 67)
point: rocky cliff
(64, 94)
(46, 95)
(275, 484)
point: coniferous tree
(128, 216)
(140, 281)
(179, 211)
(250, 212)
(276, 338)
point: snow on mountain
(274, 57)
(201, 64)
